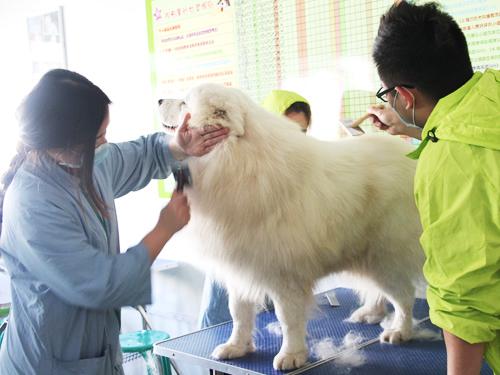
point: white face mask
(413, 110)
(100, 155)
(101, 152)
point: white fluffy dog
(278, 210)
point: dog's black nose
(160, 101)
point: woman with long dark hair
(59, 233)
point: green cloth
(457, 191)
(4, 311)
(278, 101)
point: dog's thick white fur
(278, 210)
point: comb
(182, 177)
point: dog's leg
(291, 309)
(402, 297)
(241, 340)
(373, 309)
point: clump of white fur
(346, 354)
(277, 210)
(274, 328)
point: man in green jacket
(423, 61)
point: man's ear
(407, 95)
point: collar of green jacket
(469, 115)
(278, 101)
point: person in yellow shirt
(291, 105)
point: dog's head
(208, 104)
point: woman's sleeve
(132, 165)
(53, 248)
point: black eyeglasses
(381, 93)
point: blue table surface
(414, 357)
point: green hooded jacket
(278, 101)
(457, 191)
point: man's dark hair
(299, 107)
(422, 46)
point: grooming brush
(182, 177)
(355, 124)
(352, 127)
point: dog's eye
(220, 113)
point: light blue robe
(68, 278)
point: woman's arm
(132, 165)
(58, 246)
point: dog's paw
(289, 361)
(231, 351)
(363, 315)
(393, 336)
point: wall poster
(47, 41)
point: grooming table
(412, 358)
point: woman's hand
(173, 217)
(386, 119)
(176, 214)
(196, 141)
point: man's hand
(196, 141)
(386, 119)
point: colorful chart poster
(480, 22)
(320, 49)
(191, 42)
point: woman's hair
(63, 111)
(300, 107)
